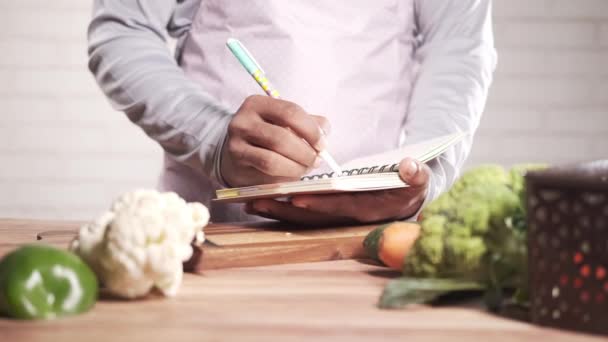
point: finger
(323, 122)
(251, 176)
(366, 207)
(282, 141)
(289, 114)
(414, 173)
(363, 207)
(286, 212)
(417, 175)
(265, 161)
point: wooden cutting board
(257, 244)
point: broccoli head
(471, 237)
(468, 232)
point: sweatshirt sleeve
(456, 59)
(131, 62)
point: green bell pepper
(43, 282)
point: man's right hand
(269, 141)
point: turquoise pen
(255, 70)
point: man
(383, 73)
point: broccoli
(461, 224)
(475, 232)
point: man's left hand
(360, 207)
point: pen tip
(331, 162)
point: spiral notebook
(371, 173)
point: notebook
(371, 173)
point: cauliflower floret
(141, 242)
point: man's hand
(364, 207)
(270, 141)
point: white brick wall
(549, 101)
(604, 35)
(65, 153)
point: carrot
(391, 243)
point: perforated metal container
(568, 246)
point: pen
(255, 70)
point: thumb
(414, 173)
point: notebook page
(423, 151)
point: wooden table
(315, 301)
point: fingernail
(321, 144)
(260, 209)
(299, 204)
(411, 168)
(318, 162)
(325, 128)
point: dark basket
(568, 246)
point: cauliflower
(141, 242)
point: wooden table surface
(314, 301)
